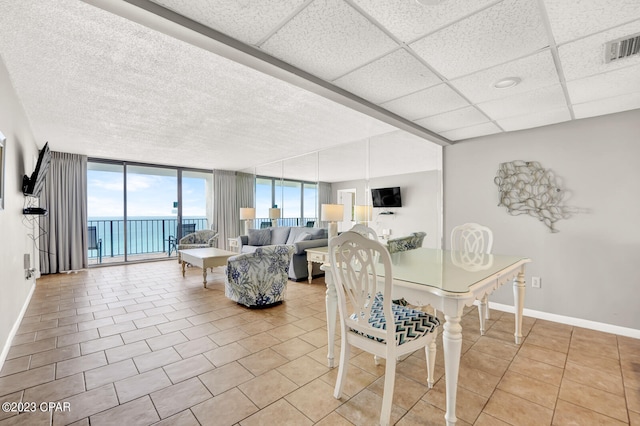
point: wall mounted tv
(386, 197)
(32, 186)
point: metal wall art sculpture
(527, 188)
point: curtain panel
(226, 215)
(63, 241)
(231, 190)
(246, 185)
(324, 197)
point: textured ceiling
(95, 82)
(436, 65)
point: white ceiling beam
(180, 27)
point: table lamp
(247, 214)
(363, 214)
(274, 215)
(332, 213)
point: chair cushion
(259, 237)
(410, 323)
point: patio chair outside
(93, 243)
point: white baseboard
(16, 325)
(578, 322)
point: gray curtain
(324, 197)
(245, 186)
(63, 241)
(226, 214)
(231, 190)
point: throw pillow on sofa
(259, 237)
(279, 235)
(315, 233)
(302, 237)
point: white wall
(421, 204)
(20, 150)
(589, 268)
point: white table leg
(332, 310)
(310, 270)
(518, 299)
(482, 312)
(204, 276)
(452, 345)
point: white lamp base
(274, 222)
(246, 227)
(333, 229)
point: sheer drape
(63, 243)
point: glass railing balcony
(144, 235)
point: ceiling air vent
(622, 48)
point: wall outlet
(536, 282)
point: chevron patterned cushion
(410, 324)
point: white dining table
(447, 281)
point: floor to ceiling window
(139, 212)
(105, 210)
(152, 211)
(297, 200)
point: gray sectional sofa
(301, 238)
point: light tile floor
(140, 344)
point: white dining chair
(365, 231)
(356, 262)
(473, 238)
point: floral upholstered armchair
(259, 279)
(199, 239)
(411, 242)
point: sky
(148, 195)
(153, 195)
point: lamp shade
(247, 213)
(332, 212)
(274, 213)
(363, 213)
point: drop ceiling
(235, 83)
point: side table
(233, 244)
(316, 255)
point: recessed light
(505, 83)
(429, 2)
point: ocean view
(146, 234)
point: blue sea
(145, 234)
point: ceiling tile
(571, 19)
(328, 39)
(390, 77)
(607, 106)
(542, 118)
(605, 85)
(426, 102)
(463, 117)
(471, 132)
(533, 102)
(536, 71)
(585, 57)
(245, 21)
(95, 83)
(408, 20)
(508, 30)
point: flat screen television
(32, 186)
(386, 197)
